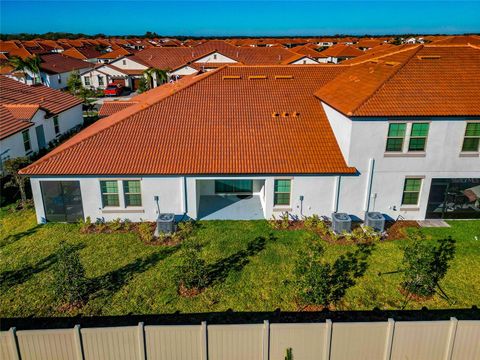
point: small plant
(312, 222)
(289, 354)
(70, 283)
(100, 226)
(321, 283)
(362, 235)
(127, 225)
(115, 224)
(192, 272)
(145, 232)
(85, 225)
(426, 265)
(185, 229)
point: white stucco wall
(305, 60)
(12, 146)
(128, 64)
(52, 80)
(362, 141)
(183, 71)
(216, 57)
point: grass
(135, 278)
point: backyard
(253, 265)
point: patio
(230, 207)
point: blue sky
(254, 18)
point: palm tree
(29, 64)
(160, 75)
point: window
(411, 191)
(472, 137)
(56, 125)
(59, 79)
(396, 135)
(418, 137)
(281, 193)
(132, 193)
(215, 56)
(109, 190)
(124, 62)
(100, 80)
(233, 186)
(26, 141)
(86, 79)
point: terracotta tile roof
(83, 53)
(458, 40)
(421, 81)
(9, 124)
(54, 101)
(226, 123)
(117, 53)
(368, 43)
(378, 52)
(58, 63)
(22, 111)
(340, 50)
(111, 107)
(306, 50)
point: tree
(74, 83)
(322, 283)
(426, 265)
(161, 76)
(11, 167)
(27, 65)
(70, 283)
(142, 85)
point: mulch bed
(185, 292)
(398, 230)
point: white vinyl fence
(423, 340)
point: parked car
(113, 90)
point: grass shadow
(218, 271)
(19, 276)
(10, 239)
(112, 281)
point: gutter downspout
(368, 191)
(336, 194)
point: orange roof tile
(223, 118)
(420, 81)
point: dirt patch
(398, 230)
(185, 292)
(411, 296)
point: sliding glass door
(62, 200)
(233, 186)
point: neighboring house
(338, 53)
(33, 116)
(127, 70)
(55, 69)
(252, 142)
(86, 53)
(110, 56)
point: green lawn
(139, 279)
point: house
(126, 70)
(33, 116)
(338, 53)
(252, 142)
(85, 53)
(113, 55)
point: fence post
(204, 340)
(14, 343)
(78, 342)
(328, 339)
(141, 341)
(389, 339)
(451, 338)
(266, 340)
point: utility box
(341, 222)
(375, 220)
(165, 224)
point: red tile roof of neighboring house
(9, 124)
(216, 124)
(340, 50)
(117, 53)
(111, 107)
(422, 80)
(58, 63)
(53, 101)
(368, 43)
(306, 50)
(83, 53)
(458, 40)
(377, 51)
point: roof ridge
(134, 109)
(384, 55)
(382, 84)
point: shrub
(362, 235)
(312, 222)
(127, 225)
(85, 225)
(426, 265)
(192, 271)
(115, 224)
(70, 283)
(185, 229)
(321, 283)
(289, 354)
(145, 231)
